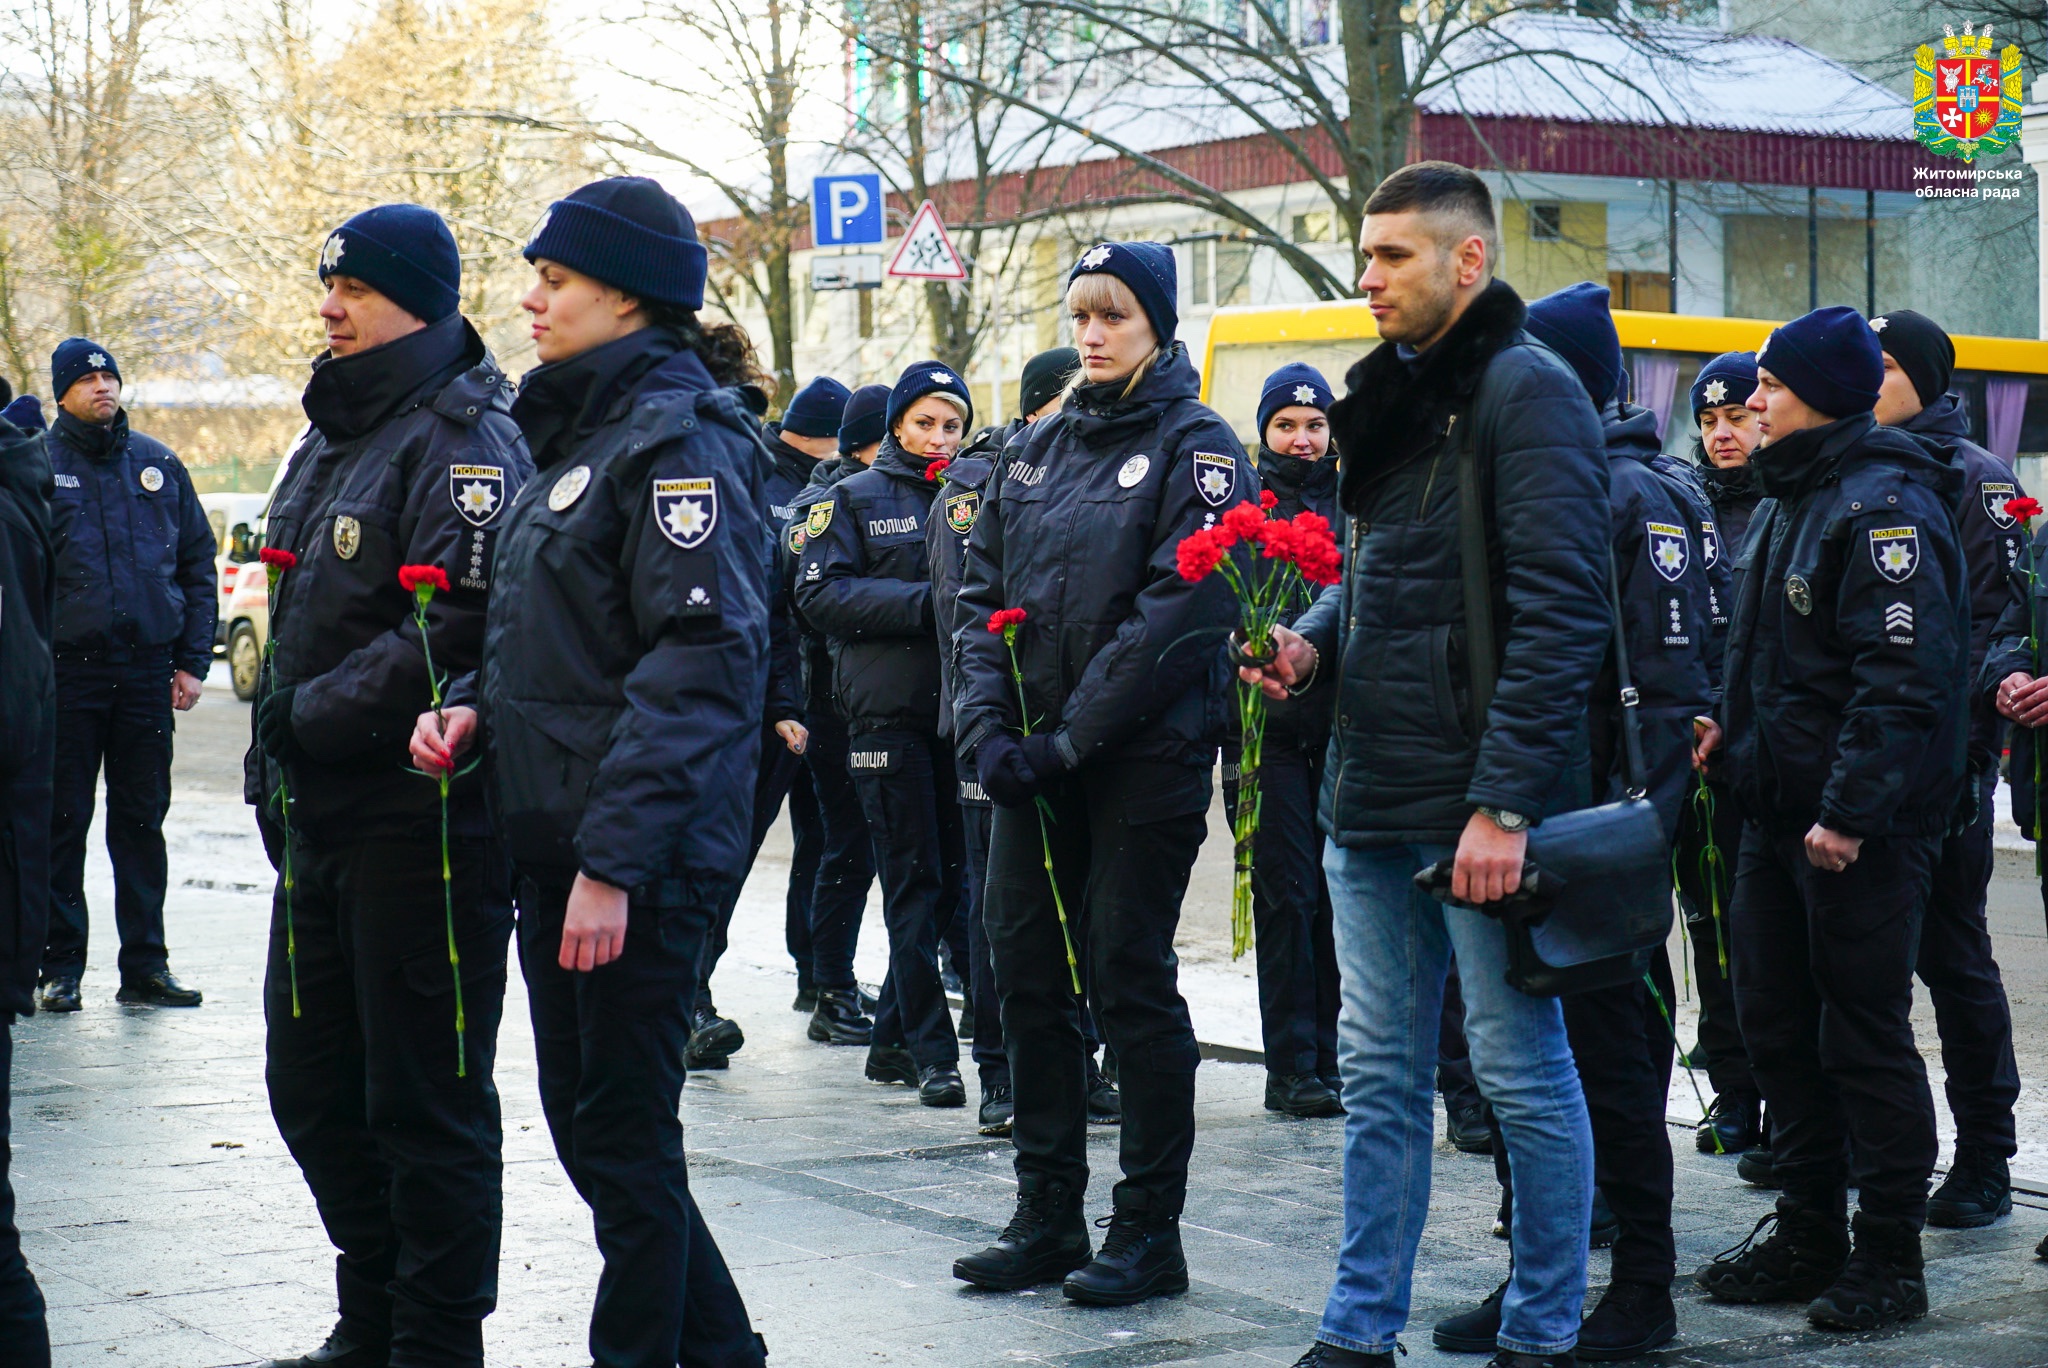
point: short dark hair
(1451, 194)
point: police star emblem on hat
(1096, 256)
(1304, 394)
(941, 378)
(1716, 391)
(330, 255)
(1880, 323)
(97, 361)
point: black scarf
(95, 440)
(352, 396)
(562, 402)
(1297, 477)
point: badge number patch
(1215, 477)
(151, 479)
(1898, 623)
(348, 537)
(1995, 496)
(961, 511)
(476, 491)
(1668, 550)
(569, 488)
(1895, 551)
(820, 519)
(686, 510)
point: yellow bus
(2003, 380)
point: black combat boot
(1758, 1167)
(838, 1019)
(1468, 1130)
(1046, 1240)
(891, 1064)
(713, 1038)
(1800, 1259)
(1140, 1258)
(338, 1352)
(939, 1085)
(1105, 1103)
(998, 1109)
(1882, 1283)
(1475, 1331)
(1301, 1095)
(1632, 1319)
(1733, 1124)
(1977, 1191)
(1322, 1355)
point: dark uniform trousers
(119, 714)
(610, 1049)
(806, 846)
(1720, 1036)
(1971, 1013)
(1624, 1052)
(403, 1156)
(778, 769)
(910, 793)
(1124, 836)
(990, 1058)
(1291, 915)
(846, 855)
(24, 1331)
(1824, 990)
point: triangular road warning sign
(926, 253)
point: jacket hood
(95, 440)
(1631, 432)
(24, 463)
(1942, 419)
(790, 463)
(1296, 475)
(562, 402)
(1816, 456)
(352, 396)
(1101, 415)
(1396, 409)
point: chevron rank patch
(1895, 551)
(1215, 477)
(1898, 623)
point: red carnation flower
(1244, 523)
(1201, 552)
(277, 558)
(937, 468)
(1003, 618)
(2026, 510)
(1315, 549)
(1268, 499)
(412, 577)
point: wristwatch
(1505, 820)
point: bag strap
(1480, 659)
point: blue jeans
(1394, 944)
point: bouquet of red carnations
(1273, 566)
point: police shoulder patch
(1710, 543)
(1895, 551)
(962, 509)
(1667, 548)
(797, 538)
(476, 491)
(1996, 494)
(1215, 477)
(820, 518)
(686, 510)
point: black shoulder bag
(1595, 897)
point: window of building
(1314, 26)
(1312, 227)
(1546, 222)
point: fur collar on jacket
(1394, 412)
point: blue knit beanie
(1147, 267)
(817, 408)
(629, 233)
(402, 251)
(26, 413)
(1575, 323)
(1294, 384)
(76, 358)
(866, 418)
(1830, 358)
(1734, 372)
(922, 378)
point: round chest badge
(1133, 471)
(348, 537)
(1799, 594)
(569, 488)
(151, 479)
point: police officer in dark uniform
(1291, 915)
(623, 759)
(1124, 696)
(807, 432)
(1971, 1014)
(28, 711)
(846, 858)
(1845, 731)
(134, 639)
(1039, 390)
(388, 1107)
(866, 584)
(1713, 823)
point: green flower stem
(1059, 905)
(1665, 1012)
(271, 575)
(422, 596)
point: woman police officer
(1122, 710)
(866, 584)
(620, 693)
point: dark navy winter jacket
(1667, 604)
(1120, 655)
(1992, 539)
(954, 513)
(411, 459)
(866, 584)
(626, 661)
(789, 472)
(1683, 479)
(1409, 761)
(814, 652)
(134, 550)
(1299, 486)
(1849, 647)
(28, 709)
